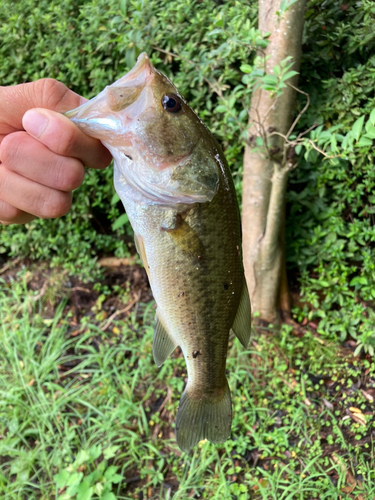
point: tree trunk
(266, 168)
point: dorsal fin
(242, 323)
(163, 344)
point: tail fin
(204, 418)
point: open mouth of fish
(118, 104)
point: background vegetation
(207, 48)
(209, 52)
(84, 413)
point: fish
(178, 193)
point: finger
(44, 93)
(32, 197)
(61, 136)
(30, 158)
(12, 215)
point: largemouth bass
(174, 182)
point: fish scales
(197, 297)
(179, 196)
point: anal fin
(163, 344)
(242, 323)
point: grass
(85, 413)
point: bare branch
(10, 264)
(121, 311)
(301, 112)
(322, 152)
(301, 134)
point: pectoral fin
(187, 240)
(139, 245)
(242, 322)
(163, 344)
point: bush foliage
(207, 48)
(331, 232)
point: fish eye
(171, 103)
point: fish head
(160, 146)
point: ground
(85, 413)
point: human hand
(42, 153)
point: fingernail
(34, 123)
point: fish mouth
(142, 71)
(106, 113)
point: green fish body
(178, 193)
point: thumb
(46, 93)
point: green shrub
(330, 230)
(208, 48)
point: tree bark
(266, 168)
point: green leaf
(72, 489)
(221, 108)
(95, 451)
(115, 199)
(269, 79)
(348, 140)
(219, 22)
(123, 6)
(333, 143)
(283, 6)
(358, 349)
(116, 478)
(370, 131)
(85, 491)
(74, 478)
(81, 458)
(215, 31)
(260, 42)
(372, 117)
(61, 478)
(111, 471)
(288, 75)
(120, 221)
(110, 452)
(357, 127)
(364, 141)
(64, 496)
(358, 280)
(282, 367)
(323, 283)
(98, 489)
(108, 496)
(246, 68)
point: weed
(88, 415)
